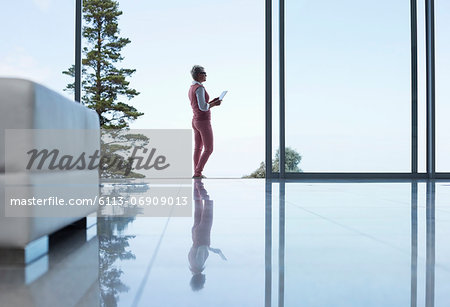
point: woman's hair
(197, 282)
(196, 69)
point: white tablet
(223, 95)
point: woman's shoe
(199, 176)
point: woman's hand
(215, 102)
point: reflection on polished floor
(256, 243)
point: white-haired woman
(201, 121)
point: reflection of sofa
(67, 276)
(27, 105)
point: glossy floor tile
(256, 243)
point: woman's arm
(202, 105)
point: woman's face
(201, 76)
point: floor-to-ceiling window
(227, 38)
(348, 96)
(357, 83)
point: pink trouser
(203, 137)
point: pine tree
(104, 85)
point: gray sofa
(28, 105)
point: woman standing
(201, 121)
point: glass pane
(442, 30)
(275, 87)
(422, 89)
(348, 85)
(167, 39)
(38, 41)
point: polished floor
(255, 243)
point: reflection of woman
(201, 121)
(201, 235)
